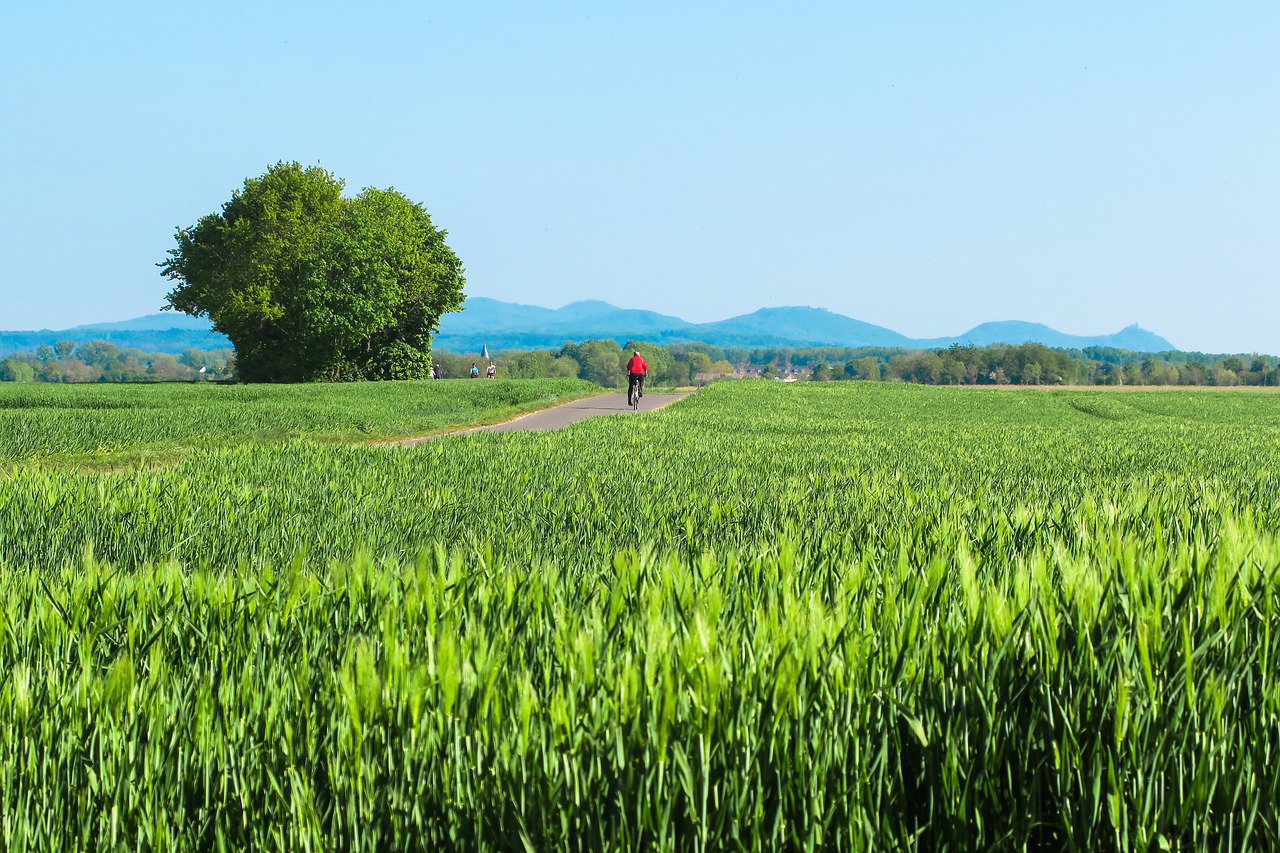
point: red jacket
(637, 365)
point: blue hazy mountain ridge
(503, 325)
(578, 320)
(812, 327)
(154, 322)
(1133, 338)
(528, 327)
(148, 338)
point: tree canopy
(312, 286)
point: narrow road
(561, 416)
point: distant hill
(167, 332)
(811, 326)
(151, 323)
(1132, 337)
(507, 326)
(575, 321)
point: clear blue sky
(923, 166)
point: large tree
(309, 285)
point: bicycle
(633, 394)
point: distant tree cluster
(600, 361)
(101, 361)
(603, 362)
(1035, 364)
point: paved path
(566, 413)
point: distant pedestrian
(475, 371)
(490, 371)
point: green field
(854, 616)
(122, 424)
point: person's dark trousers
(635, 380)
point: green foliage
(14, 370)
(399, 360)
(661, 362)
(535, 365)
(998, 364)
(817, 616)
(103, 361)
(699, 362)
(309, 285)
(602, 363)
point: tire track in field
(559, 417)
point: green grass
(850, 616)
(113, 425)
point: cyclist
(637, 369)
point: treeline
(1036, 364)
(603, 362)
(102, 361)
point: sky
(922, 166)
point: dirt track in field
(561, 416)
